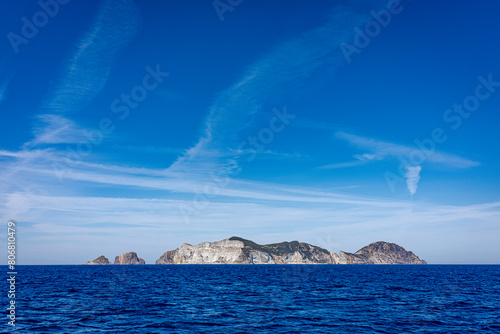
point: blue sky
(133, 125)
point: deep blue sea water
(257, 299)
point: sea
(256, 299)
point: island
(236, 250)
(379, 252)
(99, 261)
(129, 258)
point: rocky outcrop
(379, 252)
(129, 258)
(100, 260)
(335, 258)
(237, 250)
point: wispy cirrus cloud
(149, 211)
(90, 175)
(343, 164)
(23, 154)
(89, 67)
(382, 149)
(86, 72)
(272, 75)
(55, 129)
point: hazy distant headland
(236, 250)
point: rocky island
(236, 250)
(129, 258)
(100, 260)
(380, 252)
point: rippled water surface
(258, 299)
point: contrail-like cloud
(284, 69)
(412, 176)
(86, 72)
(89, 68)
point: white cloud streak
(381, 149)
(86, 72)
(412, 177)
(344, 164)
(55, 129)
(276, 72)
(88, 69)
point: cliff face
(129, 258)
(225, 251)
(237, 250)
(380, 253)
(100, 260)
